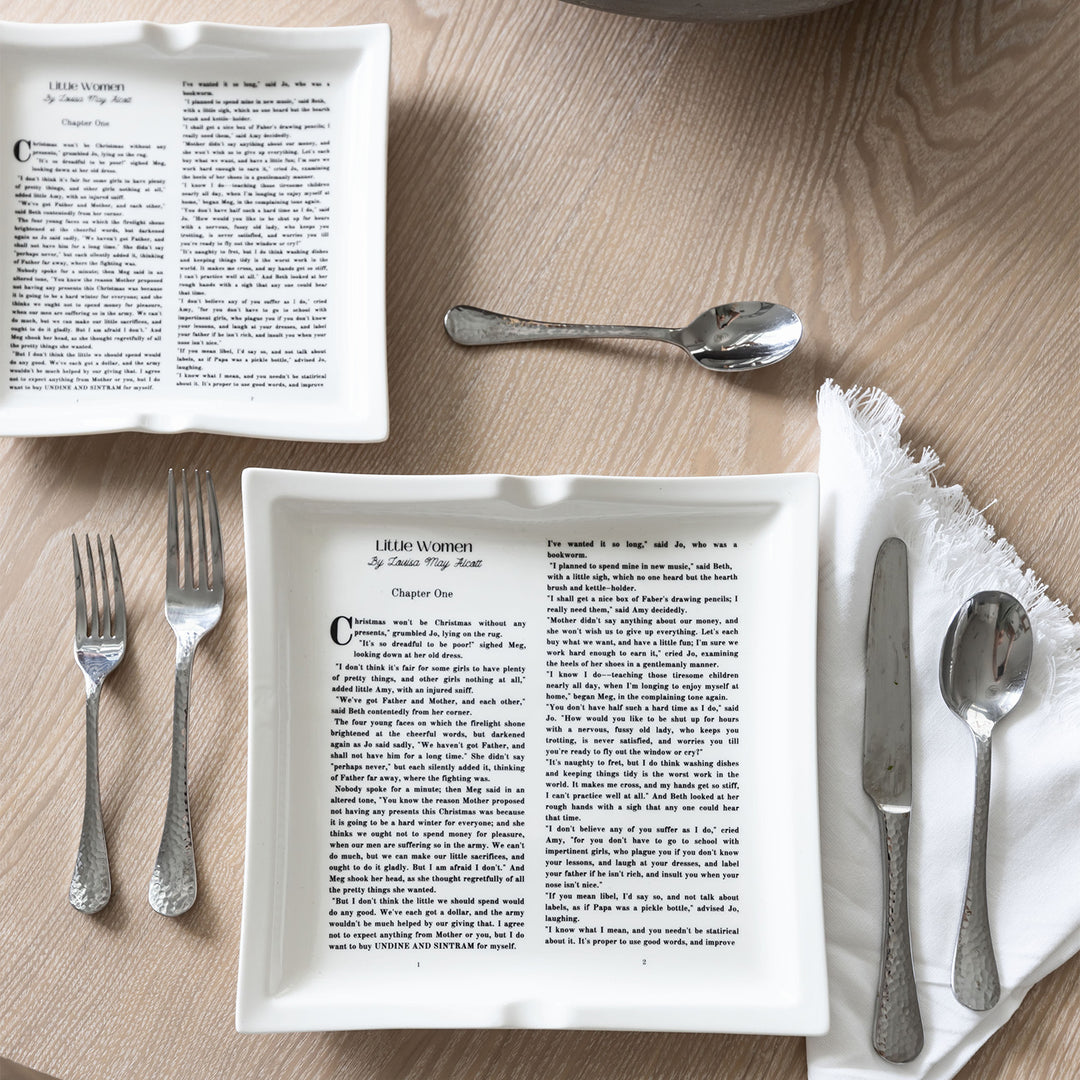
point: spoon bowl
(985, 660)
(742, 336)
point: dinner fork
(99, 648)
(192, 607)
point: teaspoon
(742, 336)
(985, 660)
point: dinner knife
(897, 1029)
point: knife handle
(898, 1031)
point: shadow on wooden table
(10, 1071)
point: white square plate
(193, 227)
(531, 752)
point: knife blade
(897, 1029)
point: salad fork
(192, 607)
(99, 648)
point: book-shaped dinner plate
(531, 752)
(193, 221)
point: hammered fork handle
(91, 882)
(173, 884)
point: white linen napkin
(871, 488)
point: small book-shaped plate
(532, 752)
(193, 225)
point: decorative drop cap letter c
(338, 635)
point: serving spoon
(985, 660)
(743, 336)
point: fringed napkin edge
(871, 420)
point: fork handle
(91, 882)
(173, 884)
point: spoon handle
(975, 976)
(898, 1030)
(475, 326)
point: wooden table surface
(904, 173)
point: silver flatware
(743, 336)
(193, 604)
(100, 640)
(985, 660)
(897, 1028)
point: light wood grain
(901, 172)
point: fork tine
(80, 594)
(215, 535)
(95, 628)
(204, 581)
(172, 542)
(106, 615)
(119, 612)
(189, 573)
